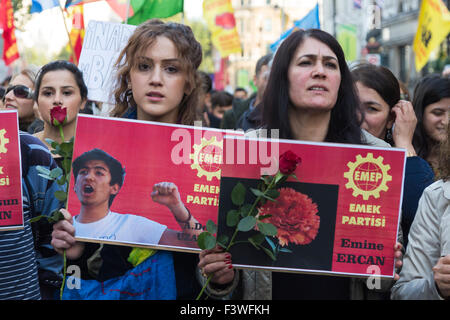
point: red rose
(289, 162)
(58, 115)
(294, 215)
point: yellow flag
(219, 16)
(433, 28)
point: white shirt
(122, 228)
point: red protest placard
(148, 153)
(11, 211)
(340, 217)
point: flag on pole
(219, 16)
(433, 28)
(10, 49)
(147, 9)
(77, 32)
(39, 5)
(310, 21)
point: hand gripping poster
(144, 183)
(11, 211)
(340, 215)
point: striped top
(18, 259)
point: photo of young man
(98, 179)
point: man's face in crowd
(93, 184)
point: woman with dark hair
(59, 84)
(330, 85)
(431, 103)
(388, 118)
(309, 96)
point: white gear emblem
(207, 158)
(3, 141)
(367, 176)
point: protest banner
(150, 153)
(103, 42)
(340, 217)
(11, 211)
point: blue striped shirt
(18, 258)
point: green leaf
(269, 253)
(43, 170)
(211, 227)
(206, 241)
(257, 239)
(67, 147)
(232, 218)
(56, 173)
(246, 224)
(285, 250)
(222, 240)
(238, 194)
(60, 195)
(56, 216)
(245, 210)
(35, 219)
(61, 181)
(273, 193)
(267, 229)
(45, 176)
(257, 192)
(279, 178)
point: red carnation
(294, 215)
(289, 162)
(58, 115)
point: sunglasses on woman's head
(20, 91)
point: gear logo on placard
(368, 176)
(207, 158)
(3, 141)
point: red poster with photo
(145, 154)
(11, 211)
(340, 217)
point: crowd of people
(305, 90)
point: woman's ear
(391, 120)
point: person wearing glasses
(19, 96)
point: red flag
(77, 32)
(121, 7)
(10, 50)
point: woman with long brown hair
(156, 81)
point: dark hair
(263, 61)
(61, 65)
(240, 89)
(344, 124)
(429, 90)
(114, 166)
(380, 79)
(206, 82)
(221, 99)
(189, 51)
